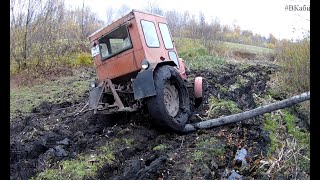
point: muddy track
(49, 134)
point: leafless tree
(153, 7)
(123, 10)
(174, 19)
(110, 15)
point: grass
(294, 57)
(208, 147)
(218, 107)
(198, 155)
(24, 99)
(159, 147)
(270, 124)
(205, 62)
(73, 169)
(294, 78)
(70, 169)
(190, 48)
(303, 139)
(84, 165)
(240, 81)
(248, 48)
(284, 132)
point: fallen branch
(83, 109)
(247, 114)
(68, 107)
(76, 113)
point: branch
(247, 114)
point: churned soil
(52, 133)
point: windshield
(115, 42)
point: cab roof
(94, 36)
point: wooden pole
(247, 114)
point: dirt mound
(52, 133)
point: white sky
(259, 16)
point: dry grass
(294, 57)
(289, 152)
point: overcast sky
(259, 16)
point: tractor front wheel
(170, 108)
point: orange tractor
(137, 65)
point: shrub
(190, 48)
(83, 59)
(295, 59)
(219, 49)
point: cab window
(150, 34)
(166, 36)
(115, 42)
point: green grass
(205, 62)
(208, 147)
(277, 135)
(128, 141)
(248, 48)
(303, 139)
(188, 48)
(71, 169)
(84, 165)
(198, 155)
(240, 81)
(24, 99)
(217, 107)
(212, 55)
(270, 124)
(159, 147)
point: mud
(52, 133)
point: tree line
(44, 31)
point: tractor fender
(198, 87)
(143, 84)
(182, 69)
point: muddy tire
(170, 108)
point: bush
(83, 59)
(190, 48)
(219, 49)
(13, 69)
(295, 59)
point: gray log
(247, 114)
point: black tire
(164, 77)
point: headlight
(92, 84)
(144, 64)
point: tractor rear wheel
(170, 108)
